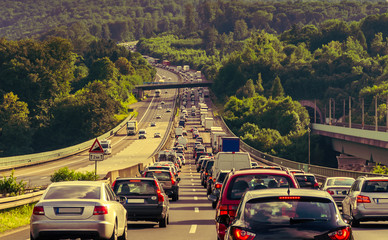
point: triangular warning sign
(96, 147)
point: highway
(191, 217)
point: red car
(236, 183)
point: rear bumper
(367, 214)
(172, 191)
(71, 229)
(145, 213)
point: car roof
(250, 171)
(275, 192)
(157, 170)
(304, 174)
(339, 178)
(89, 183)
(134, 178)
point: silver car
(338, 187)
(367, 200)
(79, 209)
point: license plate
(135, 200)
(69, 210)
(381, 200)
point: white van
(229, 160)
(106, 146)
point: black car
(167, 180)
(146, 199)
(206, 172)
(283, 213)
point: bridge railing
(318, 170)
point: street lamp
(309, 153)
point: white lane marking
(195, 198)
(192, 180)
(196, 210)
(43, 177)
(193, 190)
(192, 184)
(193, 228)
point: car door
(349, 202)
(120, 211)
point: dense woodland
(261, 55)
(53, 97)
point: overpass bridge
(139, 89)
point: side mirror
(223, 219)
(212, 198)
(122, 199)
(178, 179)
(347, 218)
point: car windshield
(258, 213)
(375, 186)
(209, 165)
(240, 184)
(135, 187)
(221, 177)
(161, 176)
(73, 192)
(340, 182)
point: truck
(132, 127)
(208, 124)
(157, 93)
(230, 144)
(206, 93)
(226, 161)
(178, 132)
(186, 68)
(215, 136)
(178, 68)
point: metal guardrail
(318, 170)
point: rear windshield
(375, 186)
(273, 212)
(340, 182)
(209, 165)
(161, 176)
(73, 192)
(305, 181)
(221, 177)
(240, 184)
(135, 187)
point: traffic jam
(250, 200)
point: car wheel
(114, 234)
(214, 205)
(168, 219)
(208, 191)
(125, 233)
(32, 238)
(355, 222)
(163, 222)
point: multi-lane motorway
(191, 217)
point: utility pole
(350, 112)
(376, 118)
(309, 153)
(386, 119)
(363, 112)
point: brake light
(218, 185)
(38, 210)
(240, 234)
(341, 234)
(331, 192)
(172, 181)
(316, 184)
(363, 199)
(113, 184)
(160, 196)
(289, 198)
(228, 210)
(100, 210)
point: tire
(214, 205)
(208, 191)
(163, 222)
(355, 222)
(125, 233)
(32, 238)
(114, 234)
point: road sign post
(96, 153)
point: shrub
(11, 186)
(64, 174)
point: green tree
(246, 91)
(277, 90)
(15, 126)
(259, 84)
(103, 69)
(240, 30)
(124, 66)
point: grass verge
(15, 217)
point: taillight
(228, 210)
(363, 199)
(240, 234)
(172, 181)
(316, 185)
(160, 196)
(341, 234)
(113, 184)
(38, 210)
(218, 185)
(100, 210)
(331, 192)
